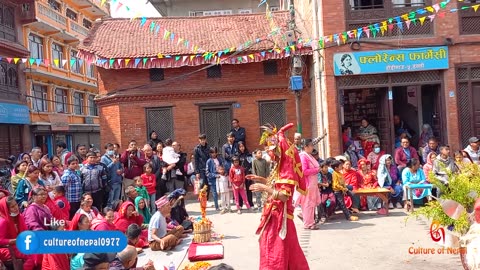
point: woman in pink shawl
(312, 199)
(105, 223)
(127, 216)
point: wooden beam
(51, 33)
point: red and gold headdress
(269, 136)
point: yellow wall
(53, 26)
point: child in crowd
(61, 201)
(73, 185)
(340, 189)
(237, 178)
(223, 189)
(150, 183)
(260, 167)
(141, 189)
(170, 157)
(212, 163)
(326, 208)
(191, 170)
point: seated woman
(127, 216)
(353, 180)
(374, 156)
(142, 209)
(369, 182)
(426, 134)
(18, 173)
(87, 208)
(26, 185)
(80, 222)
(12, 224)
(159, 237)
(389, 177)
(37, 212)
(368, 135)
(105, 223)
(412, 174)
(179, 215)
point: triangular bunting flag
(38, 61)
(359, 33)
(475, 7)
(24, 60)
(135, 63)
(15, 60)
(431, 17)
(400, 26)
(111, 61)
(64, 62)
(408, 24)
(46, 62)
(404, 17)
(172, 37)
(103, 2)
(159, 55)
(177, 58)
(144, 21)
(72, 62)
(251, 56)
(179, 41)
(127, 61)
(430, 9)
(422, 20)
(118, 7)
(443, 4)
(245, 58)
(9, 60)
(145, 61)
(436, 7)
(157, 29)
(166, 34)
(441, 14)
(119, 61)
(80, 61)
(31, 61)
(185, 58)
(191, 57)
(263, 53)
(390, 27)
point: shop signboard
(390, 61)
(59, 122)
(11, 113)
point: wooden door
(385, 119)
(215, 122)
(476, 109)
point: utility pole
(297, 65)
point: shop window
(72, 15)
(78, 103)
(75, 65)
(214, 72)
(92, 107)
(36, 46)
(270, 67)
(57, 53)
(61, 100)
(39, 99)
(160, 120)
(87, 24)
(156, 74)
(272, 112)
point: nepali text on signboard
(14, 114)
(388, 61)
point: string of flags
(402, 22)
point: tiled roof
(125, 38)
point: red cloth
(401, 157)
(73, 225)
(133, 166)
(237, 179)
(150, 183)
(192, 252)
(353, 178)
(57, 213)
(100, 224)
(122, 221)
(55, 262)
(277, 253)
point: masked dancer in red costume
(279, 247)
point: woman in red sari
(370, 181)
(353, 180)
(279, 247)
(127, 216)
(11, 225)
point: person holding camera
(133, 162)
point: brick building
(149, 83)
(447, 98)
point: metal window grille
(465, 112)
(61, 100)
(270, 67)
(214, 72)
(92, 107)
(156, 74)
(76, 67)
(160, 120)
(39, 102)
(36, 46)
(57, 53)
(72, 15)
(78, 103)
(272, 112)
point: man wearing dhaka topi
(279, 247)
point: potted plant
(452, 210)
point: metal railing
(78, 28)
(52, 14)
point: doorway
(476, 108)
(215, 122)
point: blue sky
(140, 8)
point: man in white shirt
(473, 149)
(159, 238)
(36, 155)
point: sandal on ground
(353, 218)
